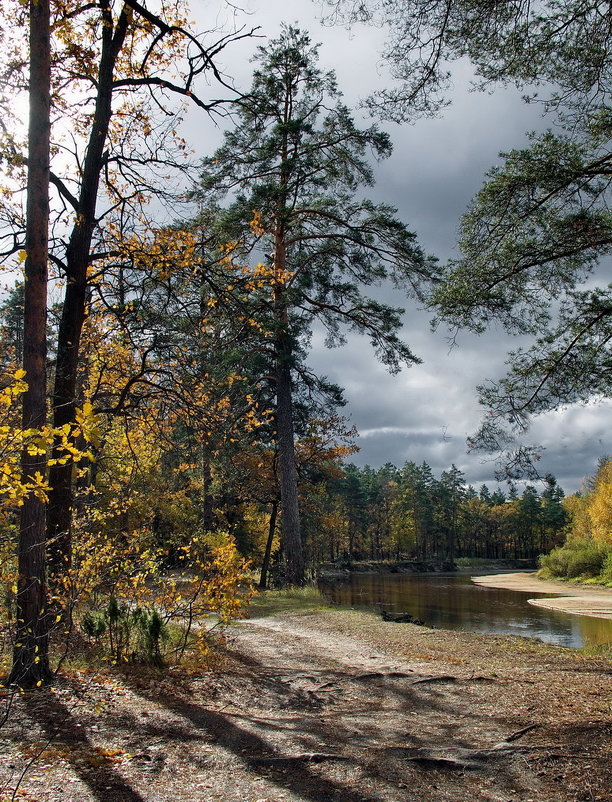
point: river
(452, 601)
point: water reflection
(451, 601)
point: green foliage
(94, 623)
(587, 552)
(293, 169)
(394, 515)
(528, 237)
(577, 559)
(541, 224)
(296, 160)
(533, 235)
(557, 46)
(296, 599)
(606, 571)
(133, 633)
(472, 562)
(120, 594)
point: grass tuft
(601, 650)
(271, 602)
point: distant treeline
(406, 513)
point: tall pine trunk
(287, 472)
(285, 441)
(31, 653)
(290, 520)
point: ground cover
(311, 705)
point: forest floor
(313, 705)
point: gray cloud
(426, 412)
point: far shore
(592, 600)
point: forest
(164, 442)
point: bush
(606, 573)
(576, 559)
(135, 612)
(134, 633)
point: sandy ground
(577, 599)
(318, 706)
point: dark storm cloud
(574, 440)
(438, 165)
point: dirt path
(594, 600)
(331, 705)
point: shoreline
(593, 601)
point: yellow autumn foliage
(587, 553)
(600, 505)
(14, 439)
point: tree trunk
(292, 539)
(64, 412)
(31, 653)
(287, 472)
(351, 540)
(73, 311)
(208, 502)
(265, 566)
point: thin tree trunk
(31, 653)
(265, 566)
(64, 412)
(208, 502)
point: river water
(452, 601)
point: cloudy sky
(426, 412)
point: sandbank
(593, 600)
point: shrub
(606, 572)
(134, 633)
(576, 559)
(137, 612)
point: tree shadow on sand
(316, 753)
(61, 727)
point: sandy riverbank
(592, 600)
(323, 705)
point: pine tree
(293, 165)
(31, 652)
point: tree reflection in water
(452, 601)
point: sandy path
(594, 601)
(324, 706)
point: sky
(427, 411)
